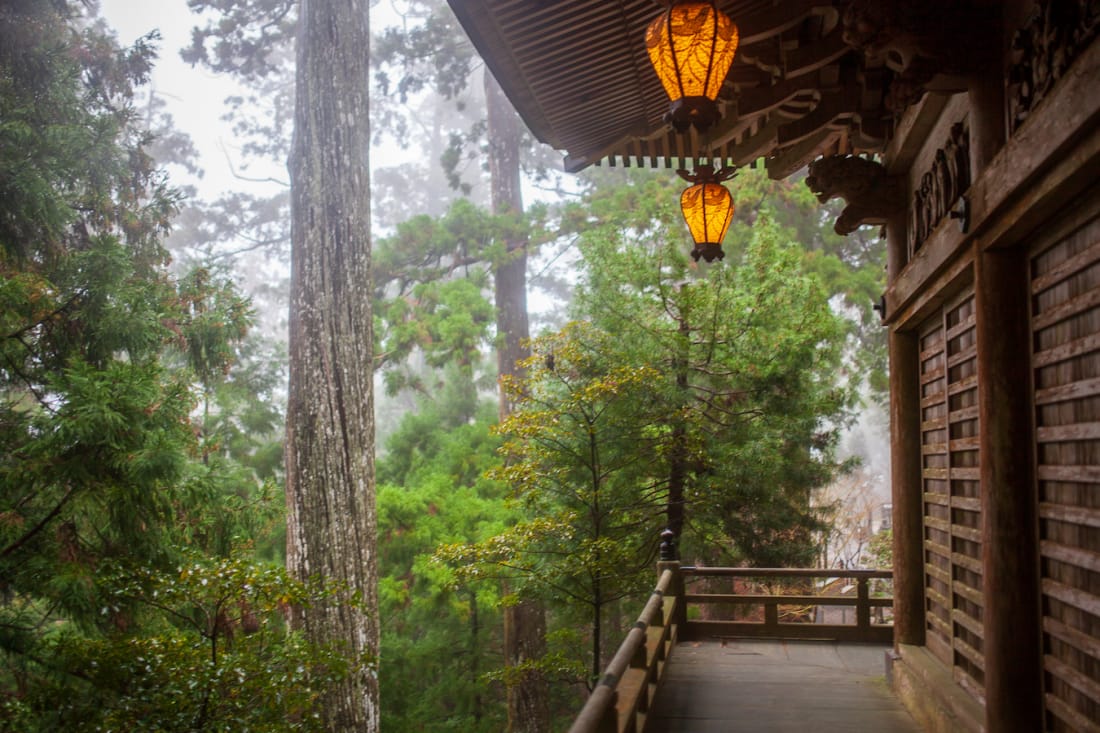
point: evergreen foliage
(753, 391)
(440, 631)
(128, 597)
(708, 400)
(852, 269)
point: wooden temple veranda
(969, 130)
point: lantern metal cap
(707, 173)
(700, 112)
(708, 251)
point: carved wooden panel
(938, 191)
(952, 500)
(1044, 49)
(1066, 360)
(917, 40)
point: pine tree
(94, 427)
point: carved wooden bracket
(940, 187)
(872, 194)
(918, 41)
(1044, 48)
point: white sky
(194, 96)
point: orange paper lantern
(691, 46)
(708, 210)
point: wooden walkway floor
(777, 687)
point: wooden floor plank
(777, 686)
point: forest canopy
(526, 461)
(132, 596)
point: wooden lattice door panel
(1066, 362)
(951, 491)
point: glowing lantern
(708, 210)
(691, 46)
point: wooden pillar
(986, 87)
(897, 245)
(906, 488)
(1010, 577)
(863, 604)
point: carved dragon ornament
(872, 195)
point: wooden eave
(578, 73)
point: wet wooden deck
(777, 686)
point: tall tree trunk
(678, 456)
(330, 420)
(525, 622)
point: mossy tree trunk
(330, 421)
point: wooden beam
(987, 95)
(772, 60)
(1009, 515)
(836, 108)
(912, 130)
(781, 17)
(701, 630)
(761, 100)
(786, 161)
(906, 487)
(814, 56)
(1051, 158)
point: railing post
(669, 560)
(863, 603)
(640, 660)
(771, 614)
(609, 723)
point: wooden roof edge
(790, 142)
(488, 41)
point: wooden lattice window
(1066, 361)
(951, 492)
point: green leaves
(212, 319)
(440, 627)
(432, 283)
(105, 470)
(67, 156)
(744, 363)
(219, 658)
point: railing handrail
(600, 711)
(703, 570)
(773, 626)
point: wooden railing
(621, 700)
(799, 604)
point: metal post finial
(668, 546)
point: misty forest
(405, 427)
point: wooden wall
(1065, 283)
(952, 491)
(1001, 389)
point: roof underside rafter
(579, 75)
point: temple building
(969, 131)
